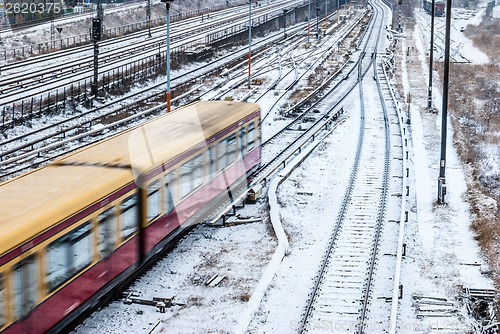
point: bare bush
(485, 37)
(474, 99)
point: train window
(186, 186)
(2, 302)
(80, 248)
(128, 216)
(154, 200)
(24, 287)
(251, 137)
(211, 163)
(242, 142)
(259, 135)
(221, 155)
(170, 192)
(107, 232)
(197, 171)
(232, 149)
(68, 255)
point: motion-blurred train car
(81, 227)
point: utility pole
(400, 28)
(148, 17)
(338, 11)
(100, 13)
(444, 112)
(284, 21)
(249, 41)
(167, 4)
(317, 21)
(96, 37)
(431, 59)
(309, 21)
(52, 34)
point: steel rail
(348, 197)
(325, 54)
(47, 147)
(150, 91)
(142, 33)
(152, 46)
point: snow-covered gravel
(442, 254)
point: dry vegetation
(474, 100)
(486, 37)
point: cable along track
(342, 288)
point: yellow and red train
(77, 229)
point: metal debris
(215, 280)
(480, 304)
(237, 220)
(161, 303)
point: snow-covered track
(342, 290)
(298, 142)
(37, 147)
(341, 294)
(128, 54)
(319, 56)
(42, 145)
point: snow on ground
(307, 210)
(442, 254)
(113, 17)
(460, 44)
(310, 200)
(184, 272)
(195, 259)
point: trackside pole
(249, 41)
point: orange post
(168, 102)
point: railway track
(185, 19)
(40, 146)
(287, 60)
(60, 19)
(15, 74)
(20, 90)
(319, 54)
(342, 291)
(297, 133)
(374, 163)
(439, 38)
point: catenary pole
(431, 59)
(169, 97)
(249, 41)
(444, 111)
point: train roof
(34, 202)
(165, 138)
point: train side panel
(108, 264)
